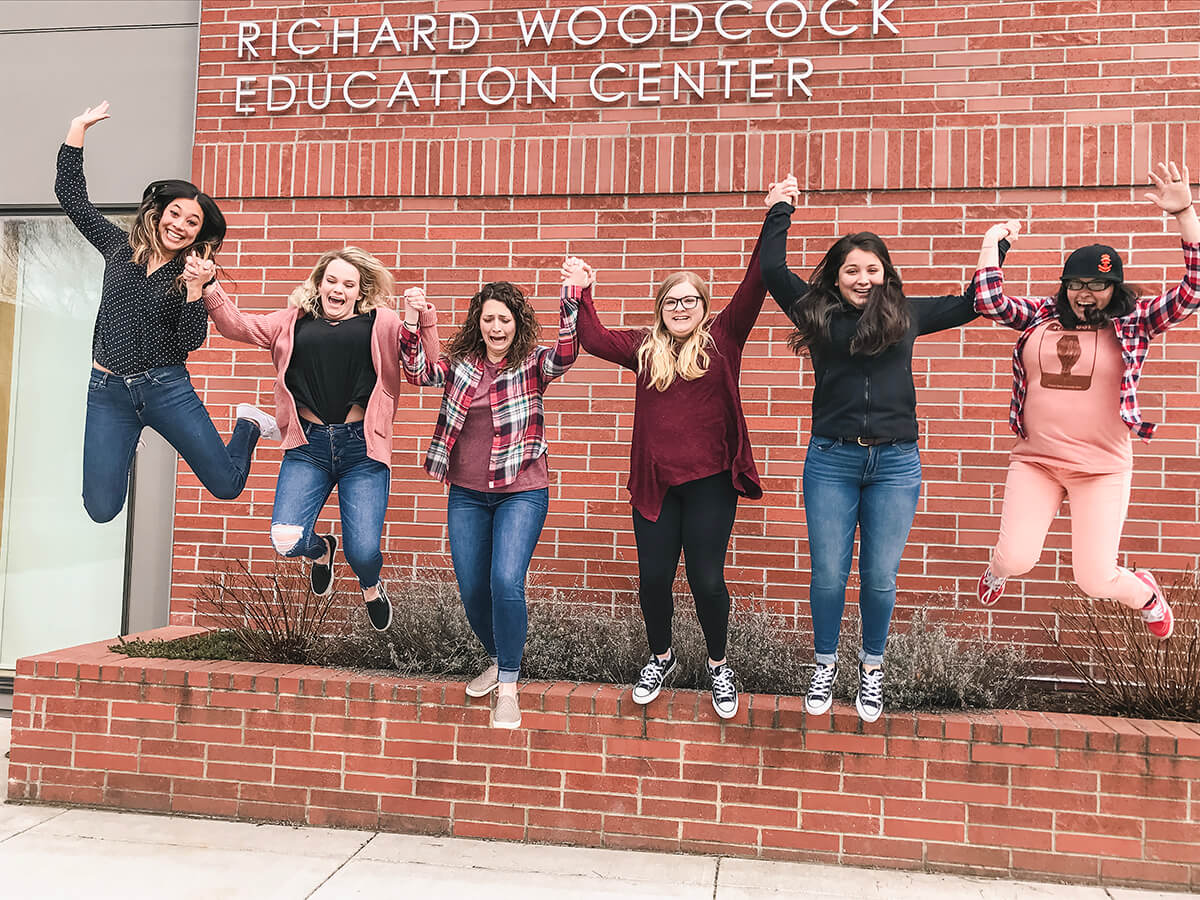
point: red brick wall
(1078, 798)
(1049, 111)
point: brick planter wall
(1080, 798)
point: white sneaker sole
(484, 692)
(818, 709)
(727, 715)
(864, 714)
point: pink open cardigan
(276, 332)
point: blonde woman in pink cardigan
(336, 349)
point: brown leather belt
(873, 442)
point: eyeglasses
(1078, 284)
(689, 302)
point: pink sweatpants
(1033, 493)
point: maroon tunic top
(693, 429)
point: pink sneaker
(991, 587)
(1159, 619)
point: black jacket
(855, 395)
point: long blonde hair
(662, 357)
(374, 282)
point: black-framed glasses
(1094, 284)
(691, 301)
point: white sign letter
(550, 90)
(676, 9)
(457, 19)
(645, 81)
(605, 98)
(728, 35)
(385, 32)
(301, 51)
(404, 88)
(421, 34)
(338, 34)
(796, 79)
(779, 33)
(575, 16)
(496, 101)
(878, 17)
(637, 7)
(364, 104)
(248, 33)
(283, 82)
(757, 78)
(538, 24)
(836, 32)
(243, 90)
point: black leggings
(697, 518)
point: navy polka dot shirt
(144, 320)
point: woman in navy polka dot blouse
(148, 322)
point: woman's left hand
(1174, 193)
(197, 272)
(414, 304)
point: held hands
(1174, 195)
(1002, 231)
(84, 121)
(787, 190)
(576, 273)
(414, 304)
(197, 272)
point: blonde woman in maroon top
(690, 456)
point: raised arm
(554, 362)
(231, 322)
(70, 186)
(420, 352)
(1174, 197)
(785, 286)
(987, 287)
(618, 346)
(955, 310)
(741, 312)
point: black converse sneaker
(379, 610)
(820, 690)
(724, 694)
(321, 576)
(870, 694)
(650, 682)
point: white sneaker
(268, 428)
(870, 694)
(820, 690)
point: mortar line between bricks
(716, 877)
(344, 862)
(31, 827)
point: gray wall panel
(96, 13)
(148, 75)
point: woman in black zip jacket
(862, 470)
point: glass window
(62, 576)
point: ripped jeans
(334, 455)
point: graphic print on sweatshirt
(1067, 357)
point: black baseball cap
(1095, 261)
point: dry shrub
(1130, 672)
(273, 618)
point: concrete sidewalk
(84, 853)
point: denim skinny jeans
(872, 489)
(335, 455)
(120, 406)
(492, 539)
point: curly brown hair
(468, 342)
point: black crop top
(331, 368)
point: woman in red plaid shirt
(1078, 352)
(489, 444)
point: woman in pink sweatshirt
(336, 350)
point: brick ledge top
(95, 662)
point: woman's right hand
(85, 120)
(785, 191)
(414, 304)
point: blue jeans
(334, 455)
(874, 489)
(492, 539)
(120, 406)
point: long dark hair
(143, 236)
(1124, 299)
(884, 319)
(468, 342)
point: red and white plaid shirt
(1150, 317)
(515, 397)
